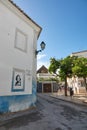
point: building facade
(18, 42)
(46, 81)
(75, 82)
(80, 54)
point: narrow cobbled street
(50, 114)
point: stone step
(80, 95)
(82, 90)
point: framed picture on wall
(18, 80)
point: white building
(18, 42)
(75, 82)
(46, 81)
(80, 54)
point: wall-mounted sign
(18, 80)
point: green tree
(54, 65)
(80, 68)
(65, 68)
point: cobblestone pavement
(50, 114)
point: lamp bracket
(38, 51)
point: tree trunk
(85, 83)
(65, 86)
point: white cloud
(40, 56)
(40, 61)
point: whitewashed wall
(16, 51)
(80, 54)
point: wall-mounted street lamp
(42, 45)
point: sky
(64, 26)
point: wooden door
(47, 88)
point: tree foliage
(64, 66)
(68, 67)
(54, 65)
(80, 68)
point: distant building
(80, 54)
(75, 82)
(46, 81)
(18, 42)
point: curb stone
(74, 101)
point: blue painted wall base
(18, 102)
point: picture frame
(18, 80)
